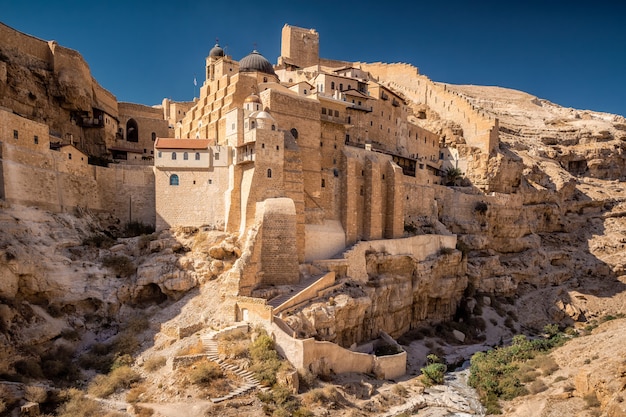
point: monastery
(326, 135)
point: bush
(99, 240)
(204, 372)
(137, 228)
(280, 402)
(120, 378)
(494, 374)
(77, 405)
(481, 207)
(154, 363)
(121, 265)
(434, 372)
(265, 359)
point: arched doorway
(132, 131)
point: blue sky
(572, 53)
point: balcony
(333, 119)
(359, 107)
(245, 158)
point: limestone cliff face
(401, 293)
(60, 273)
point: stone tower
(299, 47)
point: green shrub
(265, 359)
(497, 373)
(121, 265)
(204, 372)
(434, 371)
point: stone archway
(132, 131)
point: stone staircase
(294, 290)
(209, 342)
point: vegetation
(434, 371)
(137, 228)
(119, 378)
(452, 176)
(154, 363)
(280, 402)
(204, 372)
(265, 359)
(121, 265)
(499, 373)
(99, 240)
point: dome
(253, 98)
(264, 115)
(216, 51)
(256, 62)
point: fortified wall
(480, 130)
(62, 180)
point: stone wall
(63, 180)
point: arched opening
(150, 294)
(197, 156)
(294, 133)
(173, 179)
(153, 136)
(185, 156)
(132, 131)
(269, 173)
(173, 155)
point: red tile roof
(170, 143)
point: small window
(173, 155)
(347, 138)
(323, 110)
(264, 79)
(210, 181)
(273, 127)
(252, 125)
(233, 127)
(323, 183)
(145, 150)
(69, 156)
(185, 156)
(160, 154)
(36, 140)
(262, 146)
(153, 136)
(15, 134)
(332, 85)
(151, 152)
(321, 144)
(340, 86)
(197, 156)
(269, 173)
(336, 113)
(277, 148)
(194, 182)
(217, 156)
(173, 179)
(294, 133)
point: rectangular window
(217, 156)
(323, 110)
(336, 113)
(36, 140)
(15, 134)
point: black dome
(216, 51)
(256, 62)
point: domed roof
(216, 51)
(253, 98)
(256, 62)
(264, 115)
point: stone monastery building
(321, 145)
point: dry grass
(154, 363)
(203, 372)
(120, 378)
(546, 363)
(36, 394)
(195, 349)
(322, 396)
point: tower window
(323, 183)
(36, 140)
(294, 133)
(269, 173)
(15, 134)
(153, 136)
(173, 179)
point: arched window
(153, 136)
(340, 86)
(173, 156)
(252, 124)
(273, 127)
(332, 85)
(264, 79)
(173, 179)
(269, 173)
(294, 133)
(185, 156)
(132, 131)
(197, 156)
